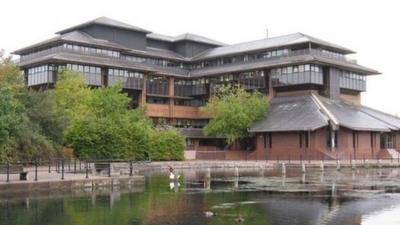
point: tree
(232, 111)
(10, 75)
(167, 145)
(71, 95)
(110, 130)
(40, 110)
(29, 128)
(11, 120)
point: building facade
(314, 89)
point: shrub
(167, 145)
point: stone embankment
(126, 174)
(333, 164)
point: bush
(110, 130)
(167, 145)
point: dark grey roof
(273, 42)
(262, 63)
(165, 54)
(345, 64)
(94, 60)
(105, 21)
(76, 37)
(185, 37)
(195, 133)
(389, 119)
(310, 112)
(291, 113)
(156, 53)
(198, 38)
(160, 37)
(350, 116)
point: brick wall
(362, 146)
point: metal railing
(59, 167)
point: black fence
(59, 166)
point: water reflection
(236, 196)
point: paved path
(44, 176)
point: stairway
(393, 153)
(327, 218)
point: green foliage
(167, 145)
(11, 120)
(96, 123)
(233, 110)
(110, 130)
(71, 95)
(10, 75)
(42, 134)
(29, 128)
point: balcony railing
(181, 71)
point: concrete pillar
(171, 93)
(236, 171)
(333, 139)
(142, 97)
(208, 179)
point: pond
(256, 196)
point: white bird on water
(172, 175)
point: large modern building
(313, 88)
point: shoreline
(53, 182)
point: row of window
(175, 64)
(332, 53)
(72, 47)
(180, 123)
(190, 87)
(41, 52)
(92, 73)
(283, 76)
(248, 80)
(41, 75)
(241, 58)
(153, 61)
(92, 50)
(125, 73)
(157, 85)
(354, 81)
(179, 102)
(293, 75)
(191, 102)
(189, 123)
(129, 79)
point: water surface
(257, 196)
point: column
(171, 94)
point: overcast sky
(371, 28)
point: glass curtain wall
(295, 75)
(129, 79)
(41, 75)
(157, 85)
(92, 73)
